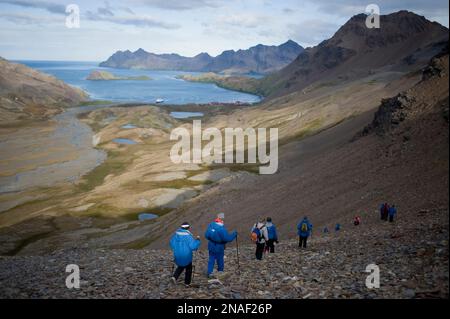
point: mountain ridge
(405, 40)
(256, 59)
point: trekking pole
(237, 254)
(193, 267)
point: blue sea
(163, 85)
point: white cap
(221, 215)
(185, 225)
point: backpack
(256, 235)
(304, 227)
(212, 235)
(271, 232)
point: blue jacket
(218, 236)
(183, 244)
(299, 228)
(392, 211)
(272, 231)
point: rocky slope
(412, 255)
(259, 59)
(333, 174)
(28, 94)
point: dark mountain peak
(140, 50)
(203, 55)
(394, 28)
(290, 43)
(141, 53)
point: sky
(36, 29)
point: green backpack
(304, 227)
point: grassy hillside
(235, 83)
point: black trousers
(391, 218)
(270, 245)
(188, 274)
(302, 241)
(260, 250)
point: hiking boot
(221, 275)
(173, 280)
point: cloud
(429, 8)
(105, 11)
(107, 14)
(127, 10)
(243, 20)
(182, 4)
(311, 32)
(49, 6)
(288, 11)
(137, 21)
(24, 19)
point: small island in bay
(107, 76)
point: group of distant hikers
(387, 212)
(263, 234)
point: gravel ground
(412, 255)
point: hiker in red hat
(217, 236)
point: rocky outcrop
(391, 112)
(395, 110)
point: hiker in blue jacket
(304, 229)
(337, 227)
(183, 244)
(273, 236)
(217, 236)
(384, 210)
(392, 213)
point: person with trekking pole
(183, 245)
(217, 236)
